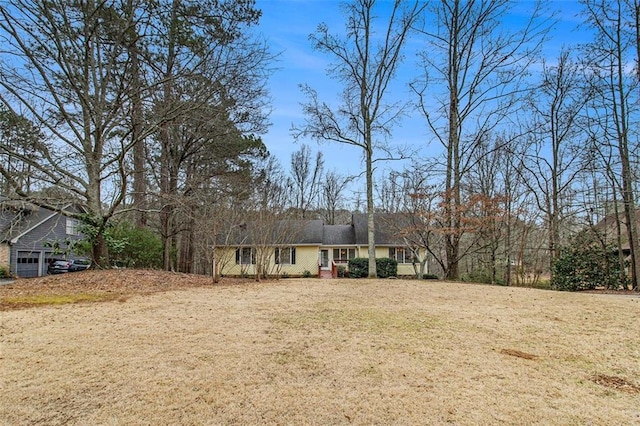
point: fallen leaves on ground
(116, 283)
(617, 383)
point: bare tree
(516, 194)
(63, 67)
(365, 65)
(332, 195)
(393, 191)
(414, 202)
(19, 139)
(481, 66)
(488, 179)
(555, 157)
(615, 87)
(269, 220)
(306, 179)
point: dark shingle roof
(386, 225)
(298, 232)
(16, 219)
(315, 232)
(335, 235)
(609, 227)
(307, 232)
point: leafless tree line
(523, 151)
(152, 111)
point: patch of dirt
(617, 383)
(117, 284)
(518, 354)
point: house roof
(609, 226)
(17, 220)
(335, 235)
(305, 232)
(387, 226)
(315, 232)
(283, 232)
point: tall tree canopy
(103, 80)
(365, 63)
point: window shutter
(276, 256)
(293, 255)
(238, 256)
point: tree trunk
(370, 217)
(627, 173)
(186, 250)
(166, 169)
(139, 177)
(452, 187)
(631, 222)
(100, 250)
(508, 230)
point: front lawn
(309, 351)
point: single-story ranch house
(306, 248)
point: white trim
(26, 231)
(329, 259)
(15, 239)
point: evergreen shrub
(385, 267)
(139, 248)
(587, 264)
(358, 267)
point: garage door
(27, 264)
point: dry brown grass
(323, 352)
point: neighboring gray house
(25, 232)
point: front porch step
(325, 275)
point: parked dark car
(57, 266)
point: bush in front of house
(587, 264)
(358, 267)
(385, 267)
(342, 271)
(4, 272)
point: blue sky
(286, 26)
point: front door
(324, 260)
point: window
(245, 256)
(401, 254)
(285, 256)
(343, 255)
(73, 226)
